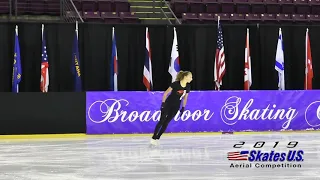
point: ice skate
(154, 142)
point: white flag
(279, 66)
(174, 66)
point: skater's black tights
(167, 115)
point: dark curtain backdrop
(196, 49)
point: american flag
(44, 81)
(147, 69)
(219, 66)
(238, 156)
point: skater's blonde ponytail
(181, 75)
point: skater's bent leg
(159, 124)
(166, 123)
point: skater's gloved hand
(181, 111)
(162, 105)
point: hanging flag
(147, 69)
(17, 71)
(309, 69)
(247, 65)
(174, 66)
(76, 62)
(114, 63)
(219, 66)
(279, 66)
(44, 81)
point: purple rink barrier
(206, 111)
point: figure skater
(171, 105)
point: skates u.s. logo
(262, 158)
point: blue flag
(17, 71)
(76, 63)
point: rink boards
(129, 112)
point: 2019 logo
(291, 155)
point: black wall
(196, 43)
(38, 113)
(31, 112)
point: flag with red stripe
(247, 65)
(309, 69)
(147, 69)
(114, 63)
(44, 81)
(219, 66)
(238, 156)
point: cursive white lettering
(112, 110)
(231, 112)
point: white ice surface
(198, 157)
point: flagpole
(217, 85)
(283, 75)
(306, 62)
(77, 29)
(218, 72)
(215, 67)
(42, 31)
(42, 82)
(17, 35)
